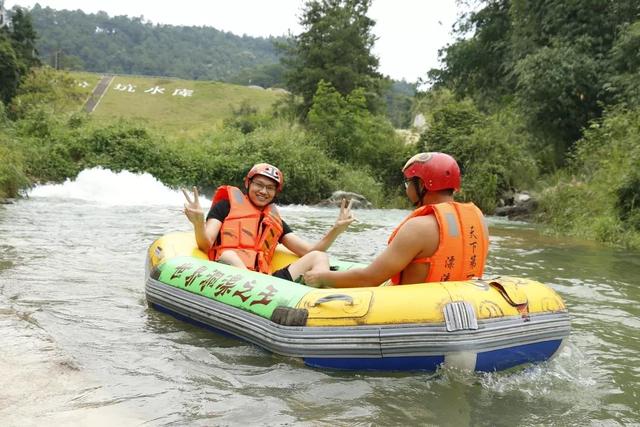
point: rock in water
(359, 201)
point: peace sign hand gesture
(345, 217)
(192, 208)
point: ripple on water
(81, 340)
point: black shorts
(283, 273)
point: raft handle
(333, 297)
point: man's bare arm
(406, 246)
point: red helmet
(438, 171)
(267, 170)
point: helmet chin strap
(420, 191)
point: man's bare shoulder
(421, 235)
(420, 226)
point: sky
(409, 32)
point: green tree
(121, 44)
(490, 149)
(563, 61)
(349, 132)
(558, 93)
(46, 88)
(624, 81)
(9, 69)
(335, 46)
(598, 195)
(399, 100)
(17, 53)
(24, 38)
(479, 66)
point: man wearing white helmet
(441, 240)
(244, 229)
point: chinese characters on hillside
(156, 90)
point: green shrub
(598, 198)
(46, 142)
(12, 175)
(351, 134)
(247, 119)
(308, 172)
(492, 150)
(360, 181)
(46, 88)
(628, 200)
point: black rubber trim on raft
(288, 316)
(155, 273)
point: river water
(81, 347)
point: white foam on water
(106, 187)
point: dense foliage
(558, 61)
(399, 101)
(48, 141)
(547, 71)
(598, 196)
(17, 53)
(335, 46)
(541, 96)
(9, 68)
(347, 130)
(44, 88)
(123, 45)
(492, 150)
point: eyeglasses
(407, 182)
(260, 186)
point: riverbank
(595, 196)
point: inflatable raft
(481, 325)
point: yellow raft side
(397, 304)
(406, 304)
(172, 245)
(184, 244)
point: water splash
(103, 186)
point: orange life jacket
(253, 233)
(463, 246)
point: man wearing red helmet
(442, 240)
(244, 229)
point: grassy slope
(179, 116)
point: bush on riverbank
(310, 176)
(492, 150)
(48, 89)
(51, 142)
(57, 147)
(12, 176)
(347, 131)
(598, 197)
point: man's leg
(314, 260)
(230, 257)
